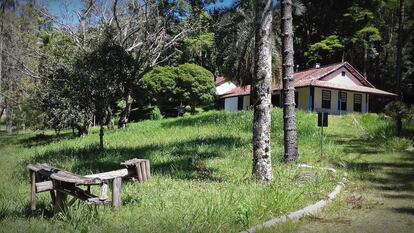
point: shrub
(156, 114)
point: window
(342, 101)
(357, 102)
(326, 99)
(343, 73)
(296, 99)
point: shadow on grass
(404, 210)
(181, 160)
(44, 139)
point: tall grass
(201, 181)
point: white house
(336, 89)
(223, 86)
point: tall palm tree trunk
(262, 85)
(289, 114)
(398, 71)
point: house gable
(342, 76)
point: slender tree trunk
(289, 114)
(398, 70)
(123, 120)
(9, 120)
(101, 135)
(1, 57)
(1, 112)
(365, 61)
(262, 85)
(109, 119)
(83, 128)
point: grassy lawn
(201, 169)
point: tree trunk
(109, 119)
(1, 111)
(101, 135)
(398, 70)
(1, 59)
(365, 61)
(123, 120)
(262, 85)
(289, 114)
(83, 128)
(9, 120)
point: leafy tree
(195, 85)
(367, 38)
(159, 86)
(97, 81)
(325, 51)
(185, 84)
(262, 86)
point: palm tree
(289, 115)
(399, 48)
(262, 86)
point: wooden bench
(61, 183)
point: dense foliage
(186, 84)
(57, 72)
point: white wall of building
(346, 80)
(334, 101)
(303, 96)
(230, 104)
(224, 87)
(246, 102)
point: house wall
(346, 80)
(334, 101)
(303, 96)
(246, 102)
(230, 104)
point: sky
(60, 8)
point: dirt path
(379, 197)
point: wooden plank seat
(60, 183)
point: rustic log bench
(60, 183)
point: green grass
(201, 169)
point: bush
(156, 114)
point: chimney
(317, 65)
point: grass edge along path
(307, 211)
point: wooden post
(116, 193)
(53, 196)
(139, 173)
(33, 190)
(103, 195)
(147, 169)
(60, 197)
(143, 170)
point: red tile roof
(312, 77)
(219, 80)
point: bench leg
(60, 201)
(33, 190)
(116, 194)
